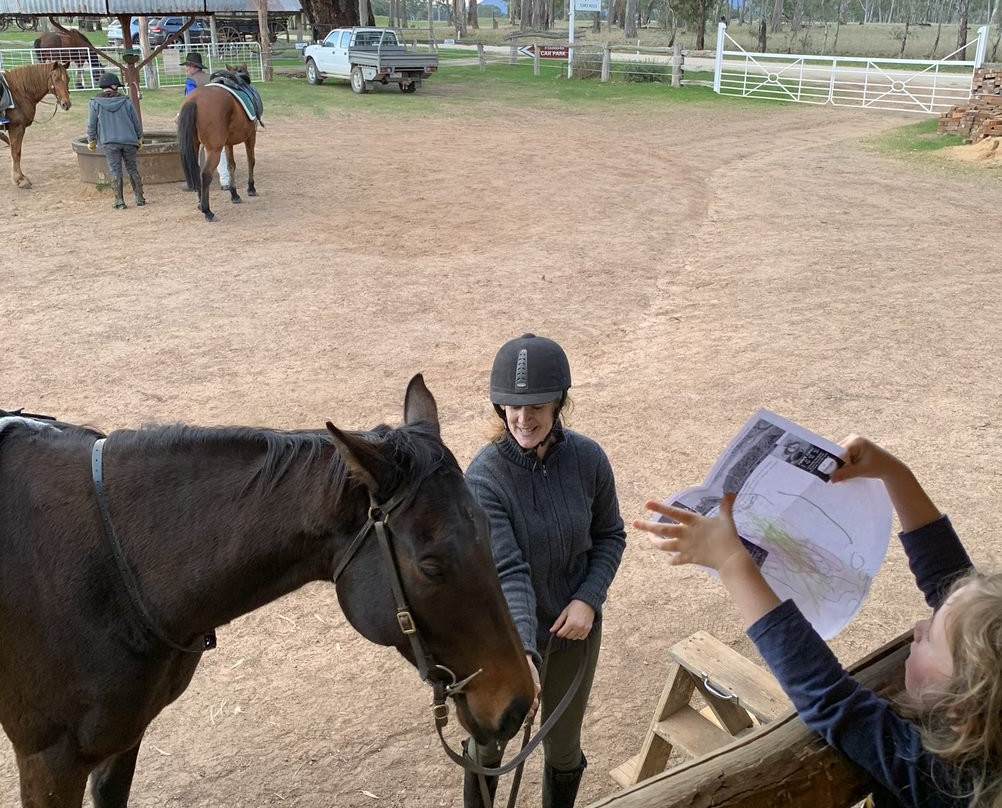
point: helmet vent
(522, 369)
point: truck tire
(313, 73)
(358, 82)
(408, 87)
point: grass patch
(915, 138)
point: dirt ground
(697, 262)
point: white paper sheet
(817, 542)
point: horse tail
(37, 44)
(187, 123)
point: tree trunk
(843, 10)
(459, 18)
(962, 9)
(780, 765)
(762, 35)
(431, 25)
(997, 22)
(798, 16)
(630, 21)
(327, 14)
(701, 26)
(472, 16)
(264, 34)
(777, 15)
(904, 37)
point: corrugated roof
(109, 8)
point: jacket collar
(527, 458)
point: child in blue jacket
(949, 757)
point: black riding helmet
(109, 81)
(529, 370)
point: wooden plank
(755, 688)
(692, 733)
(781, 765)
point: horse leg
(231, 171)
(112, 780)
(249, 145)
(208, 169)
(55, 777)
(16, 135)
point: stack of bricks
(981, 117)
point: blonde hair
(962, 718)
(497, 429)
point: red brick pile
(981, 117)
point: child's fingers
(678, 514)
(727, 506)
(671, 546)
(662, 529)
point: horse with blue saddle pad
(219, 115)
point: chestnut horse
(212, 117)
(74, 47)
(29, 84)
(120, 555)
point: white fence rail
(165, 70)
(904, 85)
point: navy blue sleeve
(936, 557)
(851, 718)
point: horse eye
(432, 568)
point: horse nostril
(512, 719)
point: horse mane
(30, 80)
(415, 451)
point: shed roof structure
(113, 8)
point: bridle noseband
(378, 518)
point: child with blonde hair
(950, 755)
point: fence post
(513, 56)
(606, 59)
(982, 47)
(718, 62)
(676, 63)
(535, 58)
(481, 57)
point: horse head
(241, 72)
(59, 83)
(440, 539)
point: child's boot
(137, 189)
(116, 184)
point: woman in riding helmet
(557, 539)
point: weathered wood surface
(782, 764)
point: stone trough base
(159, 160)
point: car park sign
(545, 51)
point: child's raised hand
(864, 458)
(695, 539)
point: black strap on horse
(208, 640)
(22, 414)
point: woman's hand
(575, 621)
(695, 539)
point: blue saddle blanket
(249, 98)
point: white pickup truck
(365, 56)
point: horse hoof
(236, 200)
(189, 187)
(210, 216)
(251, 192)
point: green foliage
(915, 138)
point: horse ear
(64, 65)
(419, 404)
(364, 459)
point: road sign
(545, 51)
(587, 5)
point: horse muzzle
(65, 105)
(497, 730)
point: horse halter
(208, 640)
(378, 518)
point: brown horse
(212, 117)
(73, 47)
(29, 84)
(120, 555)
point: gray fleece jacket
(113, 119)
(556, 532)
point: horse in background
(29, 84)
(122, 553)
(73, 47)
(212, 117)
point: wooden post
(781, 765)
(676, 64)
(513, 56)
(264, 37)
(535, 58)
(606, 60)
(152, 77)
(481, 56)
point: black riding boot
(137, 189)
(560, 789)
(116, 185)
(472, 797)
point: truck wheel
(358, 82)
(408, 88)
(312, 73)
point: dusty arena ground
(697, 262)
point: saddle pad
(245, 99)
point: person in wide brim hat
(194, 59)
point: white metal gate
(905, 85)
(167, 65)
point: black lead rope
(131, 586)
